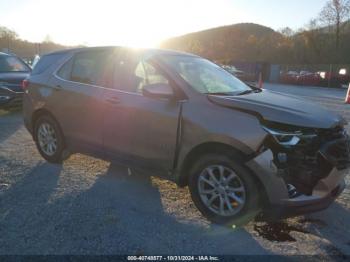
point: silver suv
(243, 152)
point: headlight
(284, 138)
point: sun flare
(135, 23)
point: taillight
(25, 84)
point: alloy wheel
(47, 139)
(221, 190)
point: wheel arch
(43, 112)
(218, 148)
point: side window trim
(72, 56)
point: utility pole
(330, 75)
(8, 44)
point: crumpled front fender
(266, 171)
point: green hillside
(242, 42)
(256, 43)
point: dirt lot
(89, 206)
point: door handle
(113, 100)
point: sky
(144, 23)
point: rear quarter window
(45, 62)
(65, 70)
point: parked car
(344, 76)
(333, 79)
(241, 151)
(330, 79)
(290, 77)
(12, 72)
(303, 78)
(234, 71)
(309, 79)
(344, 79)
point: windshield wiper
(249, 92)
(245, 92)
(221, 93)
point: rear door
(78, 99)
(136, 129)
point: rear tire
(233, 185)
(49, 139)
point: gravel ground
(89, 206)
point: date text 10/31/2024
(172, 258)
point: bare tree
(8, 35)
(286, 31)
(5, 32)
(334, 14)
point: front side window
(132, 73)
(90, 67)
(205, 76)
(12, 64)
(148, 74)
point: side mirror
(158, 91)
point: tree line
(324, 40)
(10, 42)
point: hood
(281, 108)
(13, 80)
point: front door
(139, 130)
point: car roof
(150, 51)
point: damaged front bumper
(279, 204)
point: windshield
(205, 76)
(12, 64)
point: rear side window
(45, 62)
(91, 67)
(12, 64)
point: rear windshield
(12, 64)
(45, 62)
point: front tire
(223, 190)
(49, 139)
